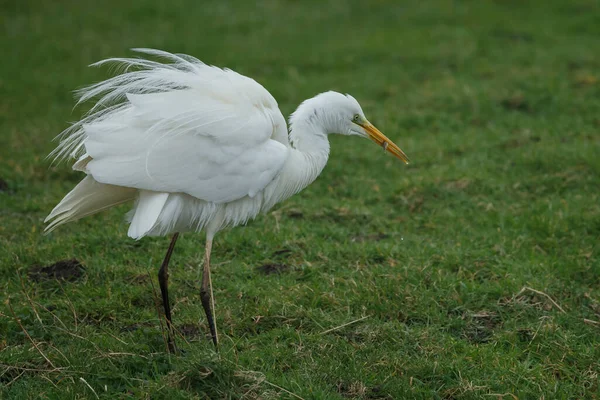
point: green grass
(496, 103)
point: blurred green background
(471, 273)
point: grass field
(471, 273)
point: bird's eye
(356, 118)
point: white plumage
(184, 129)
(196, 147)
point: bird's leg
(206, 295)
(163, 281)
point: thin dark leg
(163, 280)
(206, 295)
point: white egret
(197, 148)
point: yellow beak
(379, 138)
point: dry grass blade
(37, 316)
(16, 378)
(283, 390)
(49, 380)
(27, 333)
(53, 315)
(46, 370)
(88, 385)
(259, 377)
(502, 395)
(527, 288)
(70, 304)
(344, 325)
(127, 354)
(113, 336)
(82, 338)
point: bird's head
(343, 115)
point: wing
(183, 127)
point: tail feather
(87, 198)
(147, 213)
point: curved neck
(308, 154)
(309, 151)
(308, 138)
